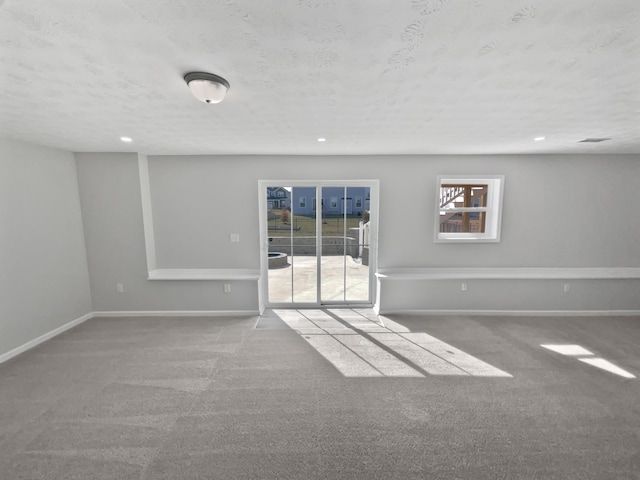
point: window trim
(493, 210)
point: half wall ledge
(203, 274)
(502, 273)
(528, 291)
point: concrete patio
(302, 270)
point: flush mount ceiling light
(207, 87)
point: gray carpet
(216, 398)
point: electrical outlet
(119, 287)
(234, 237)
(463, 287)
(567, 288)
(227, 288)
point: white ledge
(203, 274)
(532, 273)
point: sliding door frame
(263, 284)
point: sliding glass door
(344, 268)
(316, 240)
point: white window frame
(493, 210)
(333, 203)
(302, 202)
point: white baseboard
(178, 313)
(517, 313)
(43, 338)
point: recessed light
(322, 139)
(126, 139)
(540, 139)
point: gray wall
(512, 296)
(112, 214)
(559, 211)
(43, 276)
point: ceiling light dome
(207, 87)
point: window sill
(466, 239)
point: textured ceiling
(372, 76)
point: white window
(303, 202)
(358, 202)
(468, 208)
(280, 193)
(333, 202)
